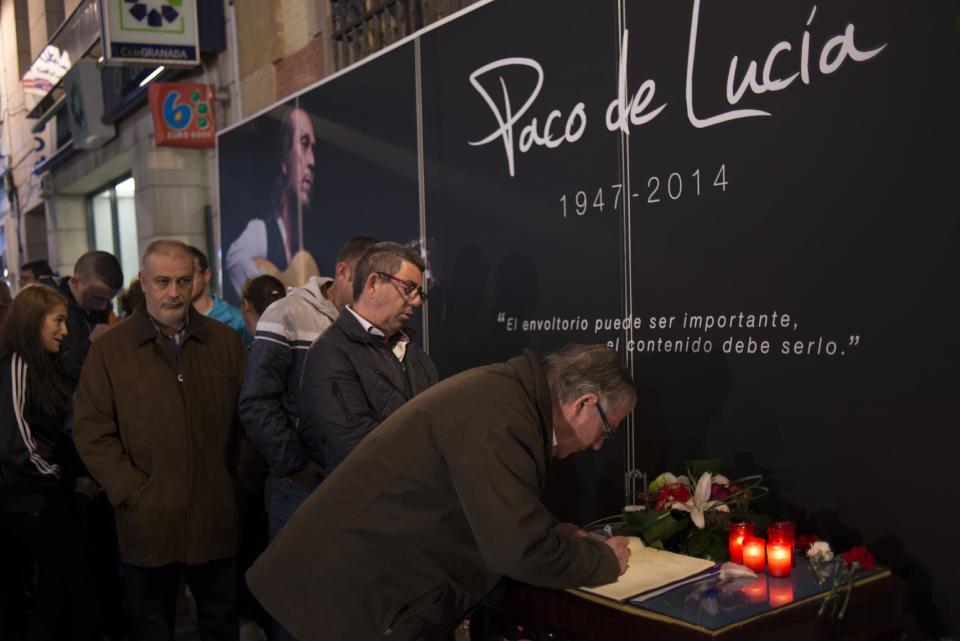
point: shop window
(113, 225)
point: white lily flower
(720, 479)
(700, 501)
(730, 570)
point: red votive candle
(754, 553)
(781, 592)
(779, 559)
(782, 532)
(739, 532)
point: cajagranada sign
(145, 33)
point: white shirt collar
(400, 344)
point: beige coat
(162, 438)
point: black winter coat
(351, 382)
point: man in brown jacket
(433, 507)
(156, 424)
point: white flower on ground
(821, 549)
(700, 501)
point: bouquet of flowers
(691, 513)
(842, 568)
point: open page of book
(650, 569)
(700, 576)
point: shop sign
(46, 71)
(71, 42)
(183, 114)
(156, 32)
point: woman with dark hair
(39, 468)
(258, 293)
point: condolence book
(652, 572)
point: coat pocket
(136, 495)
(428, 608)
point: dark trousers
(253, 541)
(100, 544)
(152, 593)
(282, 497)
(16, 570)
(41, 554)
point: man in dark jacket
(426, 515)
(156, 423)
(270, 397)
(366, 366)
(97, 277)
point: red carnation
(670, 493)
(861, 555)
(804, 541)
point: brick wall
(303, 68)
(287, 45)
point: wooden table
(879, 610)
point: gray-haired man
(439, 502)
(156, 424)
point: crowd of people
(295, 465)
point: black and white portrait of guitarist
(271, 245)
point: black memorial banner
(754, 202)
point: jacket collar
(356, 332)
(144, 329)
(64, 286)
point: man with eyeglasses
(366, 366)
(442, 500)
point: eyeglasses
(607, 432)
(408, 288)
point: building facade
(61, 201)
